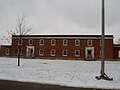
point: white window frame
(20, 51)
(52, 52)
(65, 42)
(63, 52)
(42, 52)
(41, 42)
(19, 40)
(7, 51)
(53, 42)
(30, 41)
(89, 42)
(100, 42)
(100, 53)
(76, 53)
(77, 42)
(119, 54)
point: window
(100, 53)
(89, 42)
(118, 54)
(77, 42)
(7, 51)
(77, 53)
(30, 42)
(18, 42)
(53, 42)
(41, 52)
(100, 42)
(41, 41)
(65, 42)
(52, 52)
(20, 51)
(64, 52)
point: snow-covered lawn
(61, 72)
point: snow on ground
(61, 72)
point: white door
(30, 51)
(89, 53)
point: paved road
(13, 85)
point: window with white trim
(100, 42)
(77, 42)
(89, 42)
(53, 42)
(20, 51)
(64, 52)
(65, 42)
(118, 54)
(77, 53)
(41, 42)
(52, 52)
(19, 41)
(41, 52)
(100, 53)
(30, 42)
(7, 51)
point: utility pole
(102, 71)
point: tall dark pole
(19, 46)
(102, 71)
(19, 50)
(103, 40)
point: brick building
(84, 47)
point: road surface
(15, 85)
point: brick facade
(63, 47)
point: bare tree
(20, 30)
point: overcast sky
(60, 16)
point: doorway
(89, 53)
(30, 51)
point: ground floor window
(41, 52)
(77, 53)
(20, 51)
(118, 54)
(64, 52)
(52, 52)
(7, 51)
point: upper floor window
(7, 51)
(89, 42)
(77, 42)
(53, 42)
(18, 41)
(52, 52)
(64, 53)
(65, 42)
(100, 42)
(41, 52)
(30, 42)
(77, 52)
(41, 41)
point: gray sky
(60, 16)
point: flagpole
(103, 39)
(102, 71)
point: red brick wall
(59, 47)
(3, 50)
(115, 52)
